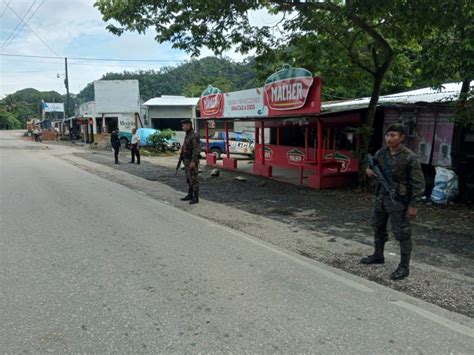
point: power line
(24, 24)
(95, 59)
(4, 9)
(17, 25)
(37, 36)
(123, 65)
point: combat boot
(189, 196)
(376, 257)
(400, 273)
(403, 269)
(195, 198)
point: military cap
(396, 127)
(187, 120)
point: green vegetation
(360, 47)
(188, 79)
(158, 139)
(8, 121)
(25, 104)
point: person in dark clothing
(401, 168)
(190, 153)
(115, 142)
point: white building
(167, 111)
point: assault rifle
(179, 163)
(374, 165)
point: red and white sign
(288, 94)
(211, 105)
(290, 91)
(245, 103)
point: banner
(288, 92)
(53, 107)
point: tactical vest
(395, 168)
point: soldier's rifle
(180, 161)
(374, 165)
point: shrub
(158, 139)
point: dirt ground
(443, 235)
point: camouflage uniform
(403, 171)
(191, 152)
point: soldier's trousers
(192, 176)
(384, 210)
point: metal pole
(306, 138)
(320, 146)
(263, 142)
(66, 83)
(227, 139)
(207, 137)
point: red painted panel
(293, 157)
(229, 163)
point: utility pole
(66, 83)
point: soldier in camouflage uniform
(402, 170)
(190, 153)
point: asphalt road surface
(88, 265)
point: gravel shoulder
(331, 226)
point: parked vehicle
(239, 143)
(144, 133)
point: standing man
(401, 168)
(134, 146)
(56, 130)
(115, 142)
(190, 153)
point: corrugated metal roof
(448, 92)
(170, 100)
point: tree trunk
(463, 112)
(367, 131)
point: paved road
(87, 265)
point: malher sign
(290, 91)
(288, 88)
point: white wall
(119, 96)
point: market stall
(319, 148)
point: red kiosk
(300, 136)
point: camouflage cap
(187, 120)
(396, 127)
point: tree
(159, 138)
(366, 31)
(26, 104)
(8, 121)
(188, 79)
(448, 52)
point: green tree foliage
(8, 121)
(26, 104)
(158, 139)
(358, 29)
(448, 51)
(370, 41)
(188, 79)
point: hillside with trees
(188, 79)
(23, 105)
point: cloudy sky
(73, 29)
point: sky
(75, 29)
